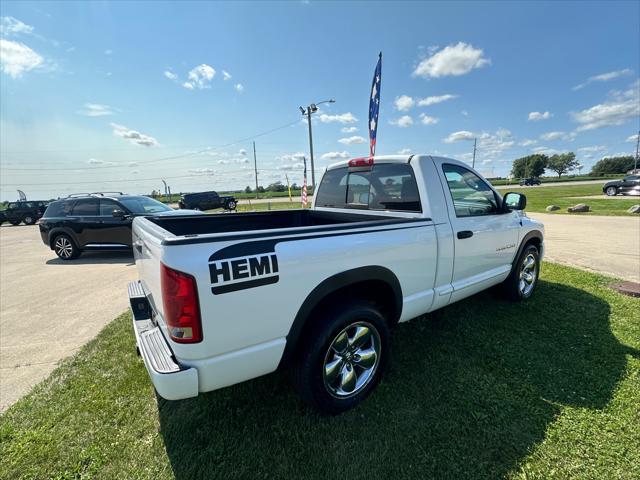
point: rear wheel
(611, 191)
(29, 220)
(342, 357)
(15, 223)
(524, 277)
(231, 205)
(65, 248)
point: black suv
(629, 185)
(94, 221)
(529, 182)
(206, 201)
(27, 212)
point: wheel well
(377, 285)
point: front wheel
(65, 248)
(611, 191)
(342, 357)
(231, 205)
(29, 220)
(15, 223)
(523, 279)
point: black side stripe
(298, 231)
(257, 247)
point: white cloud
(352, 140)
(96, 110)
(108, 52)
(335, 155)
(170, 75)
(239, 87)
(201, 171)
(425, 102)
(527, 142)
(593, 149)
(226, 75)
(457, 59)
(340, 118)
(632, 138)
(349, 129)
(546, 150)
(427, 120)
(403, 103)
(13, 26)
(622, 107)
(553, 136)
(133, 164)
(604, 77)
(133, 136)
(291, 157)
(16, 58)
(402, 122)
(200, 77)
(464, 113)
(459, 136)
(503, 133)
(537, 116)
(404, 151)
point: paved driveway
(609, 245)
(50, 308)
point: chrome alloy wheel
(612, 191)
(63, 247)
(528, 275)
(352, 360)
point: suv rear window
(58, 209)
(387, 186)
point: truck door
(485, 239)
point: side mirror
(117, 213)
(513, 201)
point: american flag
(374, 107)
(304, 185)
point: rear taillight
(181, 308)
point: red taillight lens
(181, 308)
(361, 162)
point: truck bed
(240, 222)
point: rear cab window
(386, 186)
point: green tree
(247, 189)
(612, 165)
(562, 163)
(276, 187)
(529, 166)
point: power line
(173, 157)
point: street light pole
(312, 108)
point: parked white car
(226, 298)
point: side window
(332, 191)
(58, 209)
(107, 207)
(12, 205)
(471, 196)
(86, 208)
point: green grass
(538, 198)
(547, 389)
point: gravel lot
(50, 308)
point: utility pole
(473, 165)
(255, 166)
(635, 163)
(312, 108)
(313, 170)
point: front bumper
(170, 379)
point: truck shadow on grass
(470, 393)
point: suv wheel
(523, 279)
(29, 220)
(231, 205)
(611, 191)
(15, 223)
(342, 357)
(65, 248)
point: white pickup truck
(226, 298)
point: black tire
(65, 247)
(231, 205)
(15, 223)
(29, 220)
(611, 191)
(313, 357)
(516, 286)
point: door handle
(465, 234)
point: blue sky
(117, 95)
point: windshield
(144, 205)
